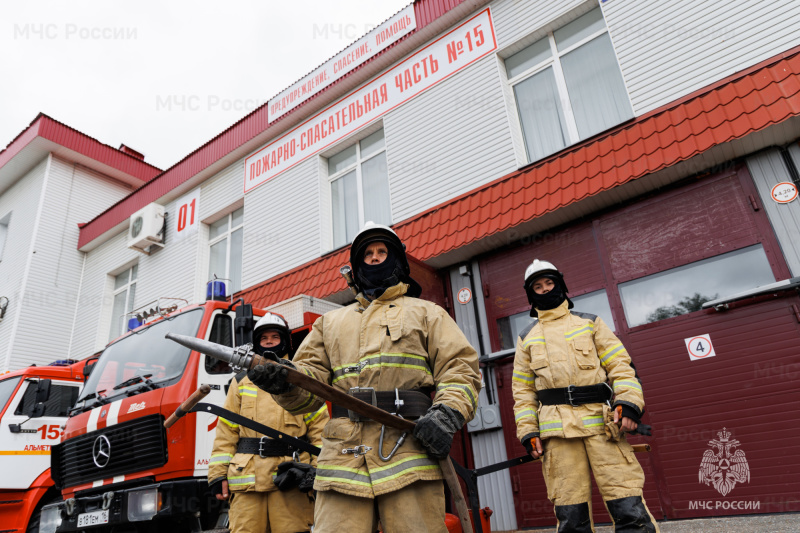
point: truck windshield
(141, 361)
(7, 387)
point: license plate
(93, 519)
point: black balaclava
(280, 350)
(375, 279)
(549, 300)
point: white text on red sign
(444, 57)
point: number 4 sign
(187, 211)
(700, 347)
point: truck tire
(33, 523)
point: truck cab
(34, 404)
(117, 466)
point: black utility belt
(405, 403)
(575, 396)
(265, 447)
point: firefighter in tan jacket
(401, 349)
(567, 368)
(243, 463)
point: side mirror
(243, 324)
(88, 367)
(42, 395)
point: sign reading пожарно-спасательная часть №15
(440, 59)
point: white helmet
(538, 269)
(272, 321)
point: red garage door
(723, 423)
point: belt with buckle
(574, 395)
(265, 447)
(405, 403)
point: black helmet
(372, 232)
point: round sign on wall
(784, 192)
(464, 296)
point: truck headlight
(143, 504)
(50, 518)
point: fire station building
(648, 149)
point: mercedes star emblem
(101, 451)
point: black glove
(435, 430)
(292, 474)
(215, 487)
(272, 377)
(527, 442)
(629, 412)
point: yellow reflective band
(525, 413)
(589, 328)
(523, 377)
(302, 406)
(343, 474)
(553, 425)
(611, 353)
(627, 383)
(313, 416)
(466, 389)
(592, 421)
(241, 480)
(231, 424)
(533, 340)
(248, 393)
(221, 458)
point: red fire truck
(118, 469)
(34, 403)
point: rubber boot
(574, 518)
(630, 515)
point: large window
(684, 289)
(359, 184)
(124, 292)
(568, 86)
(595, 303)
(225, 241)
(61, 400)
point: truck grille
(135, 445)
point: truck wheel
(33, 523)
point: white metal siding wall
(221, 191)
(93, 321)
(669, 49)
(281, 223)
(74, 194)
(448, 140)
(768, 169)
(22, 201)
(515, 20)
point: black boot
(630, 515)
(574, 518)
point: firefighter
(567, 367)
(244, 463)
(394, 350)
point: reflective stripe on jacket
(245, 471)
(392, 342)
(565, 348)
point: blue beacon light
(215, 290)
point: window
(359, 187)
(7, 388)
(568, 86)
(3, 233)
(595, 303)
(221, 333)
(124, 291)
(61, 400)
(225, 241)
(686, 288)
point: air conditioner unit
(146, 227)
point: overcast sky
(164, 77)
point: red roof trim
(59, 133)
(232, 138)
(766, 94)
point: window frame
(554, 61)
(128, 304)
(4, 224)
(356, 165)
(219, 238)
